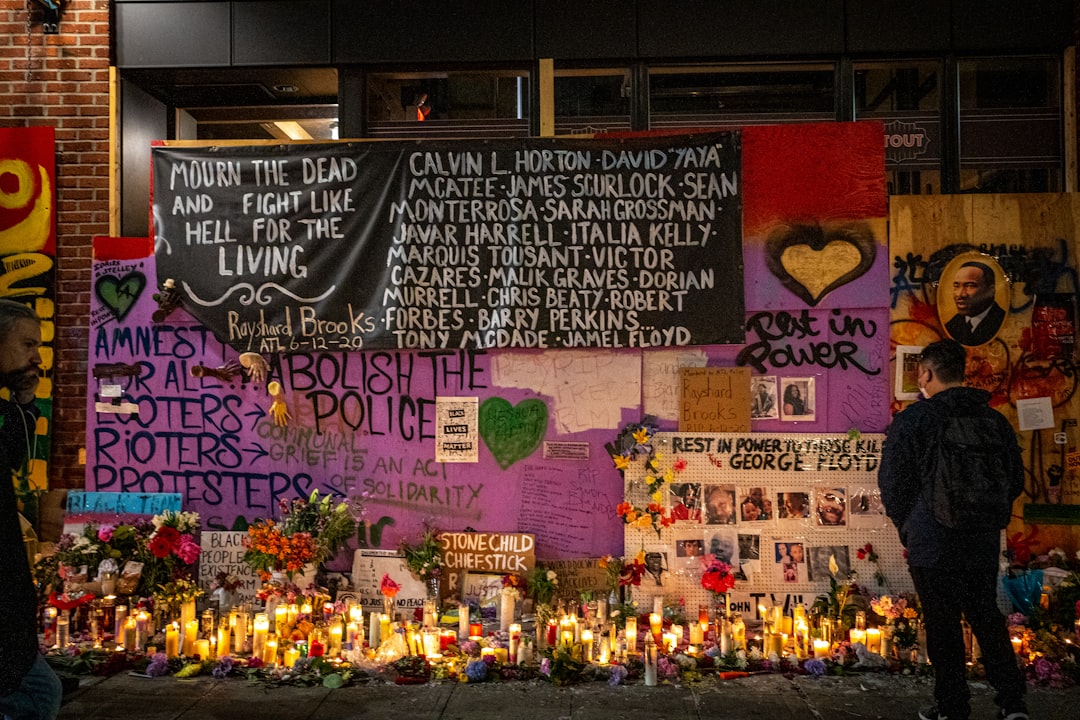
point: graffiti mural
(944, 250)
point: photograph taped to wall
(723, 544)
(756, 507)
(763, 404)
(685, 501)
(719, 504)
(907, 372)
(749, 555)
(830, 507)
(793, 505)
(789, 561)
(799, 401)
(689, 552)
(865, 509)
(658, 570)
(825, 561)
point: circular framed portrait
(972, 298)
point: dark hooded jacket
(18, 598)
(910, 446)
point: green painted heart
(512, 432)
(120, 294)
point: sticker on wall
(455, 429)
(512, 432)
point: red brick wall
(63, 81)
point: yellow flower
(645, 521)
(641, 436)
(621, 462)
(640, 557)
(658, 496)
(833, 567)
(669, 476)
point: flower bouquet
(310, 532)
(424, 560)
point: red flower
(160, 547)
(865, 552)
(679, 465)
(717, 577)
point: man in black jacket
(29, 689)
(955, 572)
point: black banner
(456, 244)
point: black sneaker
(932, 713)
(1020, 714)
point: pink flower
(105, 533)
(187, 550)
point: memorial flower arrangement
(171, 596)
(543, 585)
(310, 532)
(636, 441)
(717, 577)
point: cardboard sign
(579, 575)
(368, 569)
(714, 399)
(223, 552)
(489, 553)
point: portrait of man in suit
(978, 315)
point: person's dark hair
(792, 391)
(946, 358)
(10, 312)
(988, 276)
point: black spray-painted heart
(120, 294)
(813, 260)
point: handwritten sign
(121, 503)
(530, 243)
(580, 575)
(490, 553)
(714, 399)
(223, 553)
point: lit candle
(316, 648)
(605, 654)
(697, 634)
(172, 640)
(669, 642)
(463, 621)
(202, 649)
(821, 649)
(656, 623)
(873, 640)
(476, 631)
(131, 633)
(776, 644)
(281, 619)
(121, 618)
(587, 641)
(50, 625)
(1017, 645)
(191, 634)
(305, 609)
(487, 652)
(373, 629)
(240, 632)
(61, 630)
(187, 613)
(631, 635)
(552, 633)
(515, 639)
(352, 631)
(291, 656)
(269, 655)
(384, 627)
(260, 630)
(335, 639)
(142, 626)
(223, 637)
(650, 661)
(855, 635)
(291, 612)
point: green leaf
(333, 681)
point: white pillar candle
(601, 611)
(223, 636)
(373, 630)
(587, 642)
(269, 655)
(334, 649)
(240, 632)
(821, 649)
(631, 635)
(202, 649)
(856, 635)
(697, 636)
(515, 639)
(873, 640)
(463, 621)
(506, 611)
(261, 629)
(650, 662)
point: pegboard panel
(778, 505)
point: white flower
(1056, 553)
(552, 576)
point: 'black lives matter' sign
(514, 243)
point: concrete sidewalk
(760, 697)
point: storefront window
(1010, 125)
(741, 95)
(592, 101)
(448, 104)
(906, 96)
